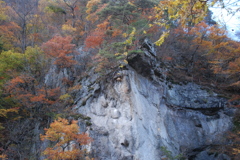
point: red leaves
(64, 61)
(24, 89)
(59, 47)
(95, 39)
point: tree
(3, 15)
(72, 7)
(59, 48)
(64, 17)
(68, 141)
(35, 62)
(7, 29)
(121, 12)
(187, 13)
(22, 13)
(10, 64)
(96, 38)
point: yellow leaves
(65, 97)
(131, 3)
(131, 35)
(92, 15)
(121, 66)
(69, 28)
(117, 54)
(3, 16)
(128, 41)
(162, 38)
(90, 5)
(4, 112)
(124, 35)
(133, 32)
(122, 56)
(187, 12)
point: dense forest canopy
(34, 34)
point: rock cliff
(136, 111)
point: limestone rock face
(133, 118)
(136, 111)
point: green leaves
(55, 9)
(9, 63)
(124, 12)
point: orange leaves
(38, 98)
(116, 32)
(168, 58)
(8, 31)
(211, 43)
(66, 135)
(24, 89)
(234, 66)
(93, 16)
(102, 26)
(59, 47)
(3, 156)
(17, 80)
(64, 61)
(95, 39)
(223, 53)
(19, 84)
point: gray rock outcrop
(135, 115)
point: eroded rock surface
(139, 112)
(133, 118)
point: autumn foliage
(31, 97)
(69, 143)
(59, 48)
(96, 38)
(36, 34)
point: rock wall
(136, 111)
(133, 117)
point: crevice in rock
(125, 143)
(207, 111)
